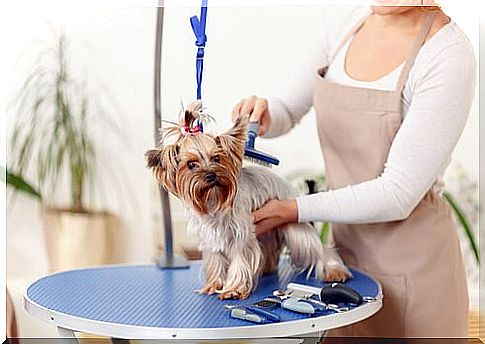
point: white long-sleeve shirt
(436, 103)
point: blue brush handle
(253, 130)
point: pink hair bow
(186, 130)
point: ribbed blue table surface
(149, 296)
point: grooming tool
(253, 313)
(263, 312)
(327, 306)
(302, 301)
(254, 155)
(267, 304)
(284, 294)
(301, 306)
(242, 314)
(340, 293)
(335, 293)
(294, 304)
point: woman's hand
(274, 214)
(258, 108)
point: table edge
(281, 329)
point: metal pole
(167, 260)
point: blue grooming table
(144, 302)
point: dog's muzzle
(210, 177)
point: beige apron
(418, 260)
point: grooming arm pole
(168, 260)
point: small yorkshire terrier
(206, 173)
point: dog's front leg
(244, 270)
(215, 269)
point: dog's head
(202, 169)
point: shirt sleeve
(421, 149)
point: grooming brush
(254, 155)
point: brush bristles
(257, 161)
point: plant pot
(78, 239)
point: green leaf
(324, 232)
(464, 222)
(321, 179)
(19, 183)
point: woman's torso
(338, 74)
(357, 126)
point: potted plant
(51, 139)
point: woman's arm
(419, 153)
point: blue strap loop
(201, 37)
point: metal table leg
(120, 341)
(314, 338)
(67, 336)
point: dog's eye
(216, 159)
(191, 165)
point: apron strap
(344, 39)
(420, 40)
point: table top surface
(128, 301)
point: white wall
(250, 50)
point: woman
(391, 102)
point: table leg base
(172, 262)
(67, 336)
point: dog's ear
(232, 142)
(153, 158)
(164, 164)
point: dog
(206, 172)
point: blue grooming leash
(198, 26)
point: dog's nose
(210, 177)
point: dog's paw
(336, 272)
(233, 294)
(210, 289)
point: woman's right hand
(258, 108)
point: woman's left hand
(274, 214)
